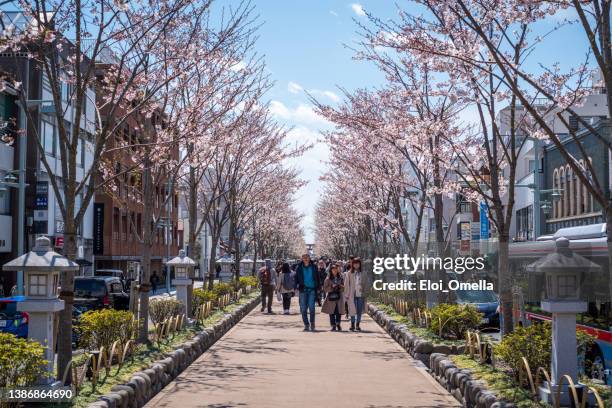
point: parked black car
(98, 292)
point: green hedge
(535, 344)
(451, 321)
(22, 362)
(101, 328)
(161, 309)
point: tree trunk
(237, 258)
(64, 338)
(212, 261)
(193, 220)
(609, 240)
(145, 285)
(505, 288)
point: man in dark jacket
(308, 282)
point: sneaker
(333, 328)
(306, 328)
(271, 312)
(286, 312)
(312, 327)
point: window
(524, 224)
(80, 153)
(38, 285)
(47, 133)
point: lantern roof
(41, 259)
(181, 260)
(563, 260)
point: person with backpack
(267, 280)
(334, 301)
(286, 285)
(307, 282)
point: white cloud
(312, 165)
(302, 114)
(358, 9)
(239, 66)
(294, 87)
(333, 13)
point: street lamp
(183, 266)
(42, 267)
(564, 271)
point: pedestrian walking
(307, 282)
(267, 280)
(353, 293)
(217, 271)
(154, 281)
(334, 300)
(322, 276)
(285, 286)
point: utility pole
(537, 211)
(168, 232)
(23, 127)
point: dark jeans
(334, 318)
(267, 291)
(307, 304)
(286, 300)
(359, 307)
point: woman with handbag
(334, 301)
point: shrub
(21, 361)
(221, 289)
(161, 309)
(534, 343)
(245, 281)
(201, 296)
(452, 321)
(101, 328)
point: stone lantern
(183, 266)
(564, 272)
(41, 268)
(246, 264)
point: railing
(483, 351)
(95, 362)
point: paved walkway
(267, 361)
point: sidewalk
(267, 361)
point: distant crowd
(337, 286)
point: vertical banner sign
(484, 221)
(98, 229)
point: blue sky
(304, 47)
(304, 44)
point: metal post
(23, 126)
(536, 190)
(168, 232)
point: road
(268, 361)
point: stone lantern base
(182, 286)
(565, 396)
(40, 325)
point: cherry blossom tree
(129, 53)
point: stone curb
(143, 385)
(469, 392)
